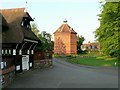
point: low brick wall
(45, 63)
(7, 76)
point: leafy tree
(108, 32)
(80, 40)
(46, 39)
(35, 29)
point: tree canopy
(45, 38)
(108, 32)
(47, 43)
(80, 40)
(35, 29)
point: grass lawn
(91, 61)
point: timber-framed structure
(18, 43)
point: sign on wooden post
(2, 51)
(28, 51)
(20, 52)
(9, 51)
(32, 51)
(14, 51)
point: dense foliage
(35, 29)
(46, 39)
(108, 32)
(80, 40)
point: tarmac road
(66, 75)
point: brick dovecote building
(65, 40)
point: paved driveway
(66, 75)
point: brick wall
(73, 44)
(45, 63)
(8, 75)
(39, 55)
(65, 43)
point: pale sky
(49, 14)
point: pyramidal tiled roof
(65, 28)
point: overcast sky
(49, 14)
